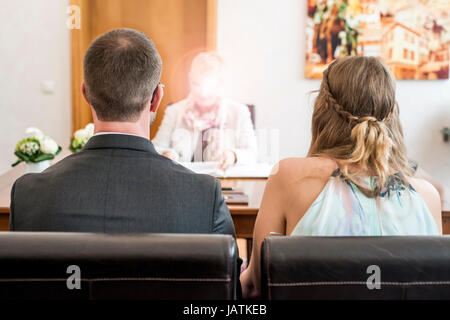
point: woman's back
(340, 208)
(355, 127)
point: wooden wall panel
(179, 28)
(211, 24)
(80, 39)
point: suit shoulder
(61, 166)
(55, 170)
(25, 183)
(25, 179)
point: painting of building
(411, 36)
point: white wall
(35, 46)
(263, 44)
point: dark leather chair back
(117, 266)
(410, 267)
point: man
(207, 126)
(118, 182)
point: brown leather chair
(117, 266)
(411, 267)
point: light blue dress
(342, 209)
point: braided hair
(355, 121)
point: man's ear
(94, 114)
(159, 93)
(83, 90)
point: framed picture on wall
(411, 36)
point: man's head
(206, 79)
(122, 69)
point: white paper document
(255, 170)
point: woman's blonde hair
(356, 121)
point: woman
(206, 126)
(356, 180)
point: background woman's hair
(207, 63)
(356, 121)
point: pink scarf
(199, 121)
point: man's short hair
(122, 69)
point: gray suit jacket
(119, 183)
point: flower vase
(37, 167)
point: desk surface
(254, 188)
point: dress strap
(336, 172)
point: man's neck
(132, 128)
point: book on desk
(235, 196)
(254, 170)
(232, 195)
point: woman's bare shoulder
(427, 191)
(294, 169)
(431, 197)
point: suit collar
(119, 141)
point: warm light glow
(206, 78)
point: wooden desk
(244, 215)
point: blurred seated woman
(206, 126)
(356, 179)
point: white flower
(48, 145)
(81, 134)
(89, 129)
(29, 148)
(32, 132)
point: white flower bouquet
(36, 147)
(81, 137)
